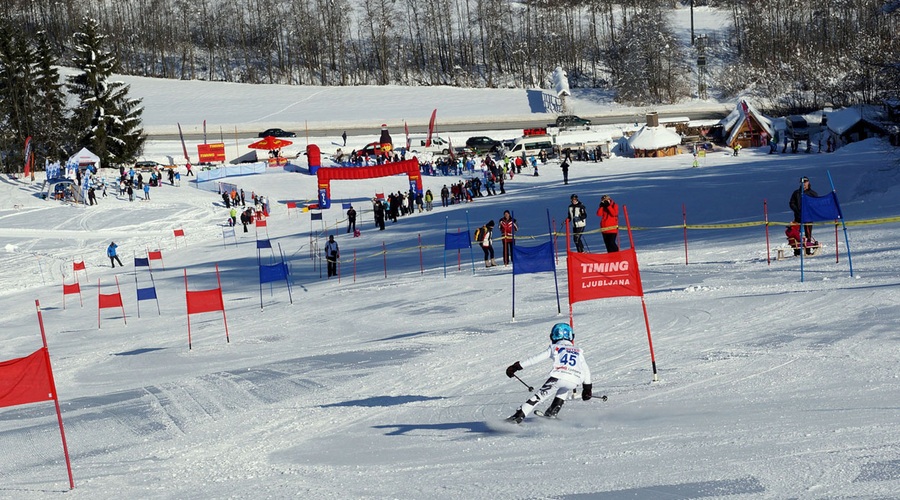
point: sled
(811, 251)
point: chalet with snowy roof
(855, 124)
(746, 126)
(654, 141)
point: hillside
(389, 382)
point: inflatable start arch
(326, 175)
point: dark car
(277, 132)
(481, 144)
(797, 127)
(572, 121)
(147, 166)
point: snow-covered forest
(810, 52)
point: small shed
(854, 124)
(653, 140)
(746, 126)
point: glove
(586, 391)
(512, 369)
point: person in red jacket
(508, 226)
(609, 222)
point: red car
(375, 149)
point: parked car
(147, 166)
(571, 121)
(797, 127)
(530, 146)
(482, 144)
(277, 132)
(438, 146)
(462, 151)
(372, 149)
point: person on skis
(570, 368)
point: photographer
(609, 222)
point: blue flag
(139, 262)
(819, 208)
(315, 216)
(263, 244)
(275, 272)
(456, 241)
(146, 293)
(533, 259)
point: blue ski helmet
(561, 331)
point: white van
(439, 145)
(530, 145)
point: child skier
(569, 369)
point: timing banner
(211, 153)
(598, 276)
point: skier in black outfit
(379, 215)
(795, 206)
(578, 216)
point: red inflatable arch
(327, 174)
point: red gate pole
(836, 243)
(98, 303)
(766, 218)
(555, 244)
(122, 302)
(421, 265)
(224, 319)
(188, 304)
(684, 223)
(62, 431)
(458, 256)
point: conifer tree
(16, 120)
(106, 120)
(49, 108)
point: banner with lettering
(211, 153)
(598, 276)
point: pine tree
(16, 119)
(105, 120)
(49, 108)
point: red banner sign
(211, 153)
(534, 131)
(598, 276)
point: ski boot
(517, 417)
(554, 408)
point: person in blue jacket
(111, 253)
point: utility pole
(701, 67)
(692, 22)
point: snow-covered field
(390, 383)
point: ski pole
(530, 389)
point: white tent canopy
(651, 138)
(85, 157)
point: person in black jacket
(578, 216)
(351, 219)
(795, 204)
(379, 214)
(332, 254)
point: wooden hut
(746, 126)
(654, 141)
